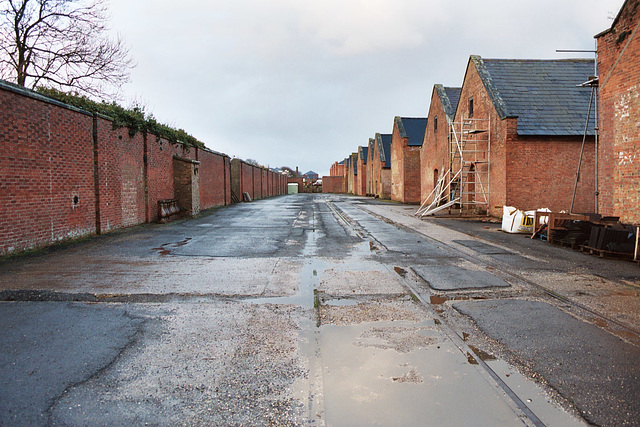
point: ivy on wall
(135, 119)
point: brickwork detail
(619, 147)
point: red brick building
(381, 167)
(353, 173)
(521, 125)
(337, 169)
(619, 145)
(361, 178)
(370, 153)
(434, 156)
(406, 141)
(335, 182)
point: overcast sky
(305, 82)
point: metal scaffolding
(465, 186)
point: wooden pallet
(565, 244)
(607, 254)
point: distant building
(310, 176)
(381, 167)
(434, 155)
(406, 141)
(370, 153)
(361, 179)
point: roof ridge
(401, 129)
(493, 92)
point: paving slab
(451, 277)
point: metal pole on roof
(584, 139)
(597, 128)
(594, 94)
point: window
(470, 107)
(435, 124)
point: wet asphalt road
(317, 310)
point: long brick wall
(256, 181)
(65, 173)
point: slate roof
(363, 151)
(311, 173)
(412, 128)
(354, 161)
(449, 97)
(384, 147)
(542, 94)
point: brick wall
(46, 173)
(121, 187)
(215, 183)
(160, 185)
(333, 184)
(259, 182)
(299, 181)
(66, 174)
(186, 185)
(619, 146)
(541, 174)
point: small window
(435, 124)
(470, 107)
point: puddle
(308, 278)
(383, 381)
(163, 250)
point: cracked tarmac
(280, 312)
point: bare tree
(62, 44)
(290, 172)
